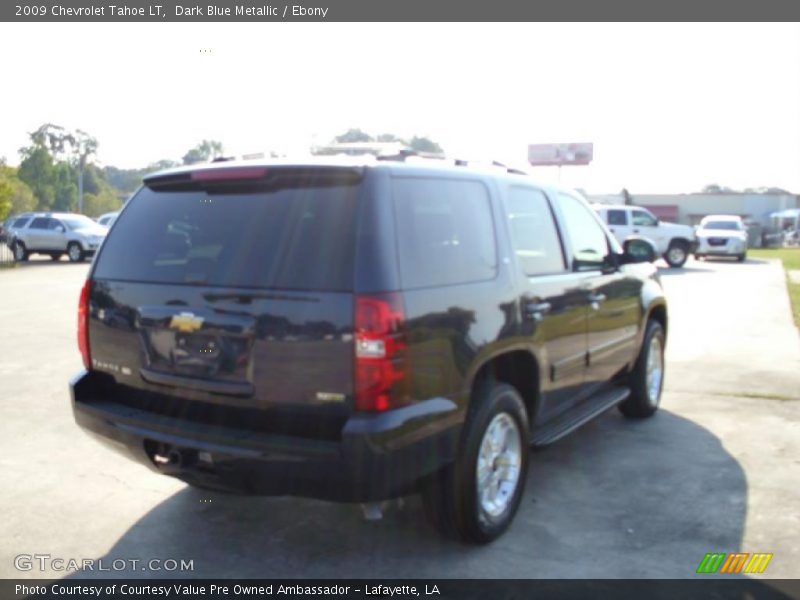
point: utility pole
(81, 164)
(84, 145)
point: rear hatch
(232, 288)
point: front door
(644, 224)
(611, 296)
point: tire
(74, 252)
(677, 253)
(645, 382)
(496, 429)
(742, 257)
(20, 252)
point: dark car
(356, 331)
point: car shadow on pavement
(746, 261)
(32, 264)
(682, 270)
(617, 499)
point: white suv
(721, 235)
(672, 241)
(55, 234)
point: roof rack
(405, 154)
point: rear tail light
(380, 362)
(83, 325)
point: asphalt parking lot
(717, 470)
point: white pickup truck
(673, 241)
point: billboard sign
(557, 155)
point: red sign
(556, 155)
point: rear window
(298, 234)
(445, 231)
(723, 225)
(77, 222)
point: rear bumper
(379, 456)
(730, 248)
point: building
(689, 209)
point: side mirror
(638, 250)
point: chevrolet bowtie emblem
(186, 322)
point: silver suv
(56, 234)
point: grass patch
(791, 261)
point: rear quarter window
(299, 235)
(445, 231)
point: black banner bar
(395, 10)
(430, 589)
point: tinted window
(533, 232)
(725, 225)
(445, 231)
(617, 217)
(295, 234)
(55, 224)
(40, 223)
(21, 222)
(588, 240)
(78, 222)
(643, 219)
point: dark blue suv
(359, 330)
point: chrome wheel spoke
(654, 370)
(498, 465)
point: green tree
(82, 146)
(37, 170)
(6, 192)
(54, 164)
(423, 144)
(352, 136)
(21, 196)
(162, 164)
(203, 152)
(102, 202)
(66, 190)
(713, 188)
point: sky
(669, 107)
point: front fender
(653, 305)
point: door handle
(595, 300)
(611, 229)
(536, 310)
(635, 231)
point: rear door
(552, 302)
(57, 235)
(37, 235)
(618, 223)
(612, 295)
(233, 291)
